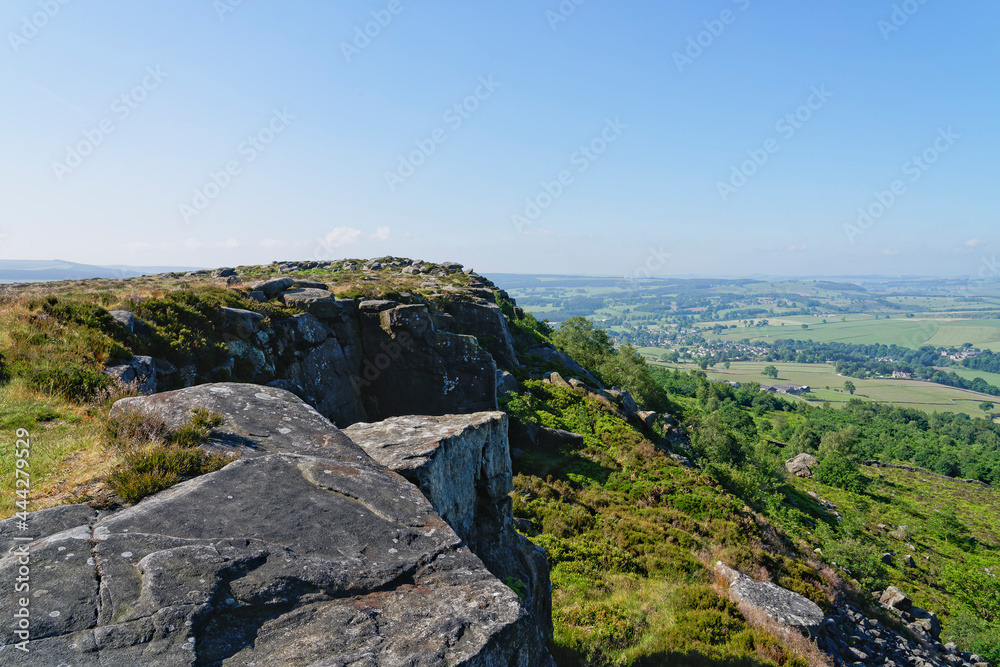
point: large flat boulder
(780, 604)
(305, 551)
(319, 302)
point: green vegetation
(623, 525)
(590, 346)
(629, 531)
(153, 459)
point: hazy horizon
(737, 138)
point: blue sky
(724, 137)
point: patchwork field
(865, 330)
(828, 386)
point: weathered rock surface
(358, 360)
(781, 604)
(319, 302)
(801, 465)
(411, 368)
(272, 288)
(482, 318)
(548, 352)
(462, 465)
(303, 552)
(506, 383)
(895, 598)
(139, 372)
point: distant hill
(841, 287)
(29, 271)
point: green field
(866, 330)
(925, 396)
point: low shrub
(196, 431)
(72, 381)
(152, 458)
(160, 467)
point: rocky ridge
(358, 359)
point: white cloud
(796, 248)
(341, 236)
(382, 234)
(890, 252)
(969, 245)
(139, 245)
(272, 243)
(540, 232)
(192, 244)
(229, 244)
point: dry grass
(791, 639)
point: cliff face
(305, 551)
(368, 360)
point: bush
(131, 429)
(72, 381)
(709, 626)
(973, 634)
(699, 598)
(836, 469)
(89, 315)
(609, 625)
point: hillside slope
(634, 508)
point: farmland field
(908, 393)
(913, 333)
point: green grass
(65, 445)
